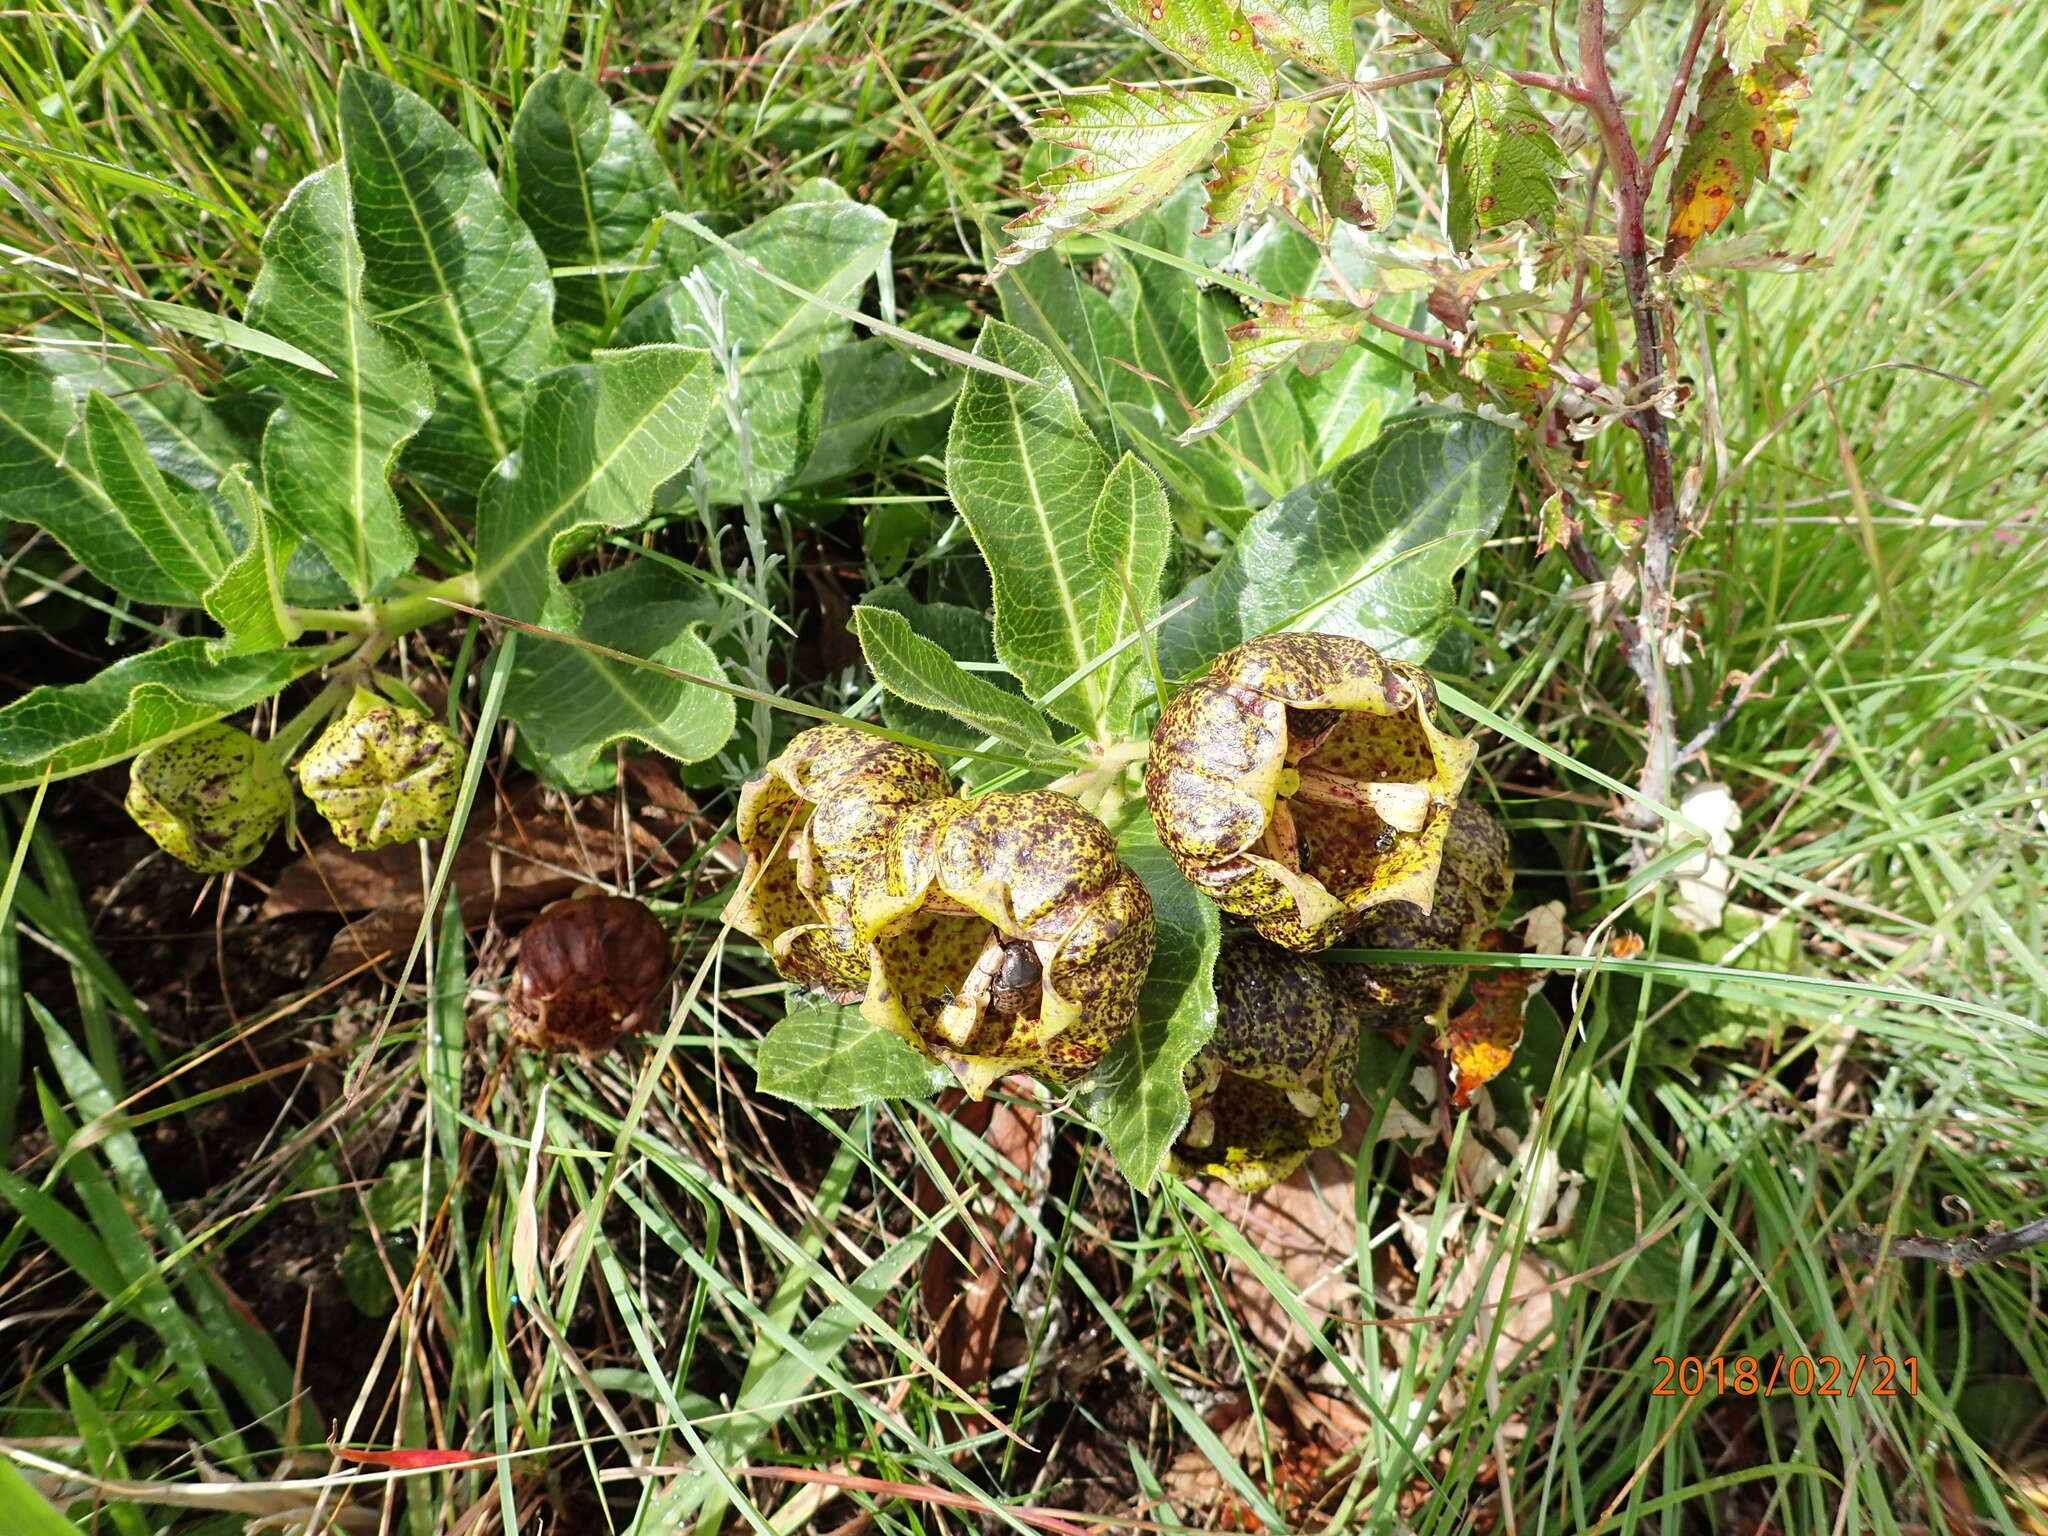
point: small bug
(1017, 979)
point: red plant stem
(1397, 329)
(1660, 536)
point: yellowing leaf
(1355, 166)
(1309, 334)
(1317, 32)
(1741, 121)
(1750, 28)
(1482, 1040)
(1499, 151)
(1213, 36)
(1252, 170)
(1136, 145)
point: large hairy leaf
(134, 704)
(144, 542)
(1137, 1097)
(831, 1058)
(1213, 36)
(1366, 550)
(1742, 119)
(600, 437)
(445, 257)
(1129, 537)
(329, 448)
(867, 387)
(1134, 145)
(1500, 153)
(171, 519)
(917, 669)
(185, 435)
(572, 704)
(248, 599)
(589, 183)
(1025, 472)
(767, 338)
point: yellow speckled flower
(383, 774)
(1303, 781)
(1005, 935)
(1269, 1086)
(211, 798)
(1472, 886)
(816, 815)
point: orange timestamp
(1787, 1375)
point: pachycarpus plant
(211, 798)
(815, 817)
(591, 969)
(1302, 781)
(1269, 1086)
(1005, 935)
(382, 774)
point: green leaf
(589, 183)
(919, 670)
(329, 448)
(572, 705)
(137, 703)
(1025, 474)
(1367, 550)
(1135, 144)
(208, 326)
(1500, 154)
(1355, 166)
(1213, 36)
(45, 481)
(1129, 538)
(440, 244)
(600, 437)
(1316, 32)
(1308, 334)
(26, 1512)
(1434, 21)
(1252, 170)
(963, 634)
(1741, 120)
(185, 436)
(867, 387)
(248, 599)
(1137, 1097)
(767, 338)
(171, 520)
(1751, 28)
(829, 1057)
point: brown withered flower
(591, 970)
(1268, 1088)
(1004, 935)
(1303, 781)
(814, 817)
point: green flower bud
(211, 798)
(1004, 935)
(1303, 781)
(383, 774)
(1268, 1088)
(815, 815)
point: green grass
(646, 1264)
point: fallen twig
(1953, 1254)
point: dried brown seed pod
(591, 970)
(1005, 935)
(815, 815)
(1302, 781)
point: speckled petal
(211, 799)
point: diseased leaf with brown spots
(1317, 32)
(1136, 145)
(1213, 36)
(1500, 154)
(1355, 166)
(1252, 169)
(1443, 23)
(1310, 334)
(1481, 1041)
(1750, 28)
(1741, 121)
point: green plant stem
(285, 744)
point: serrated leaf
(1355, 166)
(830, 1057)
(589, 183)
(172, 520)
(1741, 120)
(1025, 472)
(328, 450)
(1317, 32)
(441, 246)
(1751, 28)
(1444, 23)
(919, 670)
(600, 436)
(136, 703)
(1213, 36)
(823, 242)
(1310, 335)
(1138, 1096)
(1135, 143)
(1251, 171)
(572, 705)
(1500, 154)
(1129, 537)
(1367, 550)
(248, 600)
(47, 478)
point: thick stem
(1660, 537)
